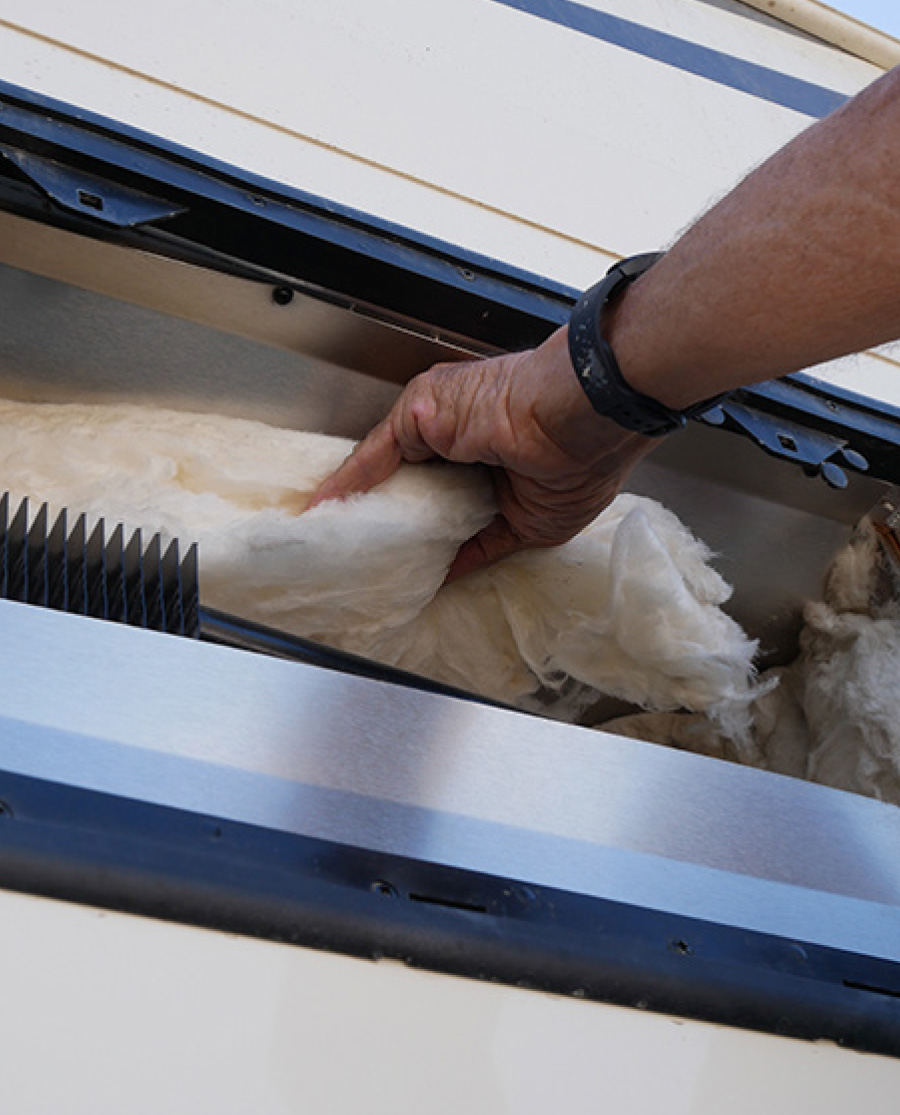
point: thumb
(495, 541)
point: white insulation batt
(833, 715)
(630, 608)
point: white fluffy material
(834, 716)
(629, 608)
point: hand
(555, 463)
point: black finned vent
(92, 575)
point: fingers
(497, 540)
(399, 437)
(376, 458)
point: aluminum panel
(299, 749)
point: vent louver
(92, 575)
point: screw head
(384, 888)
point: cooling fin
(92, 575)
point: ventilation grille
(92, 575)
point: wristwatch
(598, 370)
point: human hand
(555, 463)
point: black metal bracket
(819, 453)
(87, 194)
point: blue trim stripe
(714, 65)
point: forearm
(799, 264)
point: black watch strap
(598, 370)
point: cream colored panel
(105, 1014)
(518, 115)
(278, 154)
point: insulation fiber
(630, 608)
(833, 715)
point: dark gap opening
(450, 903)
(90, 201)
(871, 987)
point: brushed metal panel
(296, 748)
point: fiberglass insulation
(630, 608)
(833, 715)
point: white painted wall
(105, 1014)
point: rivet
(382, 887)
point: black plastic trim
(53, 120)
(259, 225)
